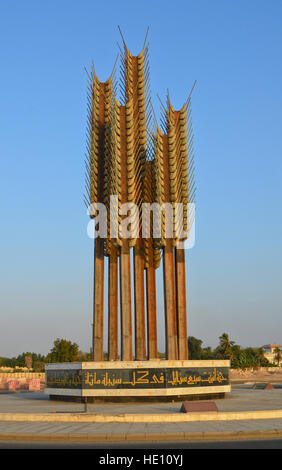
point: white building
(269, 352)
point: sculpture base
(121, 381)
(149, 399)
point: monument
(140, 197)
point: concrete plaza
(32, 416)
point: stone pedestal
(138, 380)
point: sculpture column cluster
(130, 156)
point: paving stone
(239, 400)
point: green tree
(278, 355)
(5, 362)
(237, 356)
(248, 357)
(63, 351)
(84, 356)
(20, 360)
(196, 352)
(194, 348)
(224, 350)
(207, 354)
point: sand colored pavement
(240, 400)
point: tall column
(125, 303)
(168, 267)
(113, 306)
(98, 314)
(98, 310)
(170, 301)
(151, 313)
(181, 303)
(139, 302)
(125, 274)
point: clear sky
(233, 50)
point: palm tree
(278, 355)
(226, 346)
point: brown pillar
(139, 302)
(125, 303)
(181, 303)
(113, 306)
(151, 313)
(98, 310)
(170, 302)
(98, 314)
(125, 275)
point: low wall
(22, 381)
(259, 369)
(255, 375)
(5, 376)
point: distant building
(269, 352)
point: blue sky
(233, 50)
